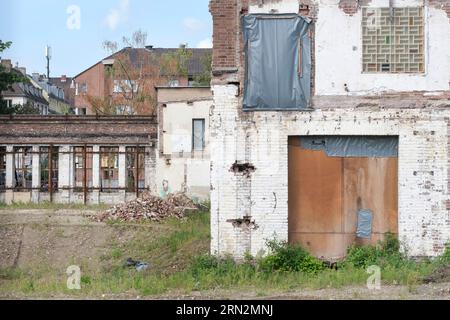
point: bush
(288, 257)
(362, 256)
(445, 258)
(385, 253)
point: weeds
(289, 258)
(184, 245)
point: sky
(76, 29)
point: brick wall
(260, 139)
(77, 129)
(441, 4)
(225, 20)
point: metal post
(50, 173)
(137, 171)
(84, 175)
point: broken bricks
(149, 207)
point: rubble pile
(149, 207)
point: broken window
(49, 168)
(198, 134)
(82, 167)
(109, 169)
(393, 40)
(278, 55)
(23, 161)
(135, 159)
(2, 169)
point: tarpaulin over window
(278, 74)
(353, 146)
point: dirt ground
(32, 238)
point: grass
(177, 251)
(47, 205)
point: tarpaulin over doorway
(353, 146)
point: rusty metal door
(325, 194)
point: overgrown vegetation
(180, 263)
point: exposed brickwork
(349, 6)
(224, 14)
(77, 129)
(418, 117)
(441, 4)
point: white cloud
(205, 43)
(117, 15)
(192, 24)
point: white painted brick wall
(424, 225)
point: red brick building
(124, 83)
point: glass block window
(393, 40)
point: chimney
(63, 78)
(6, 63)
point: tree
(7, 79)
(176, 64)
(134, 74)
(204, 79)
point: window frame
(134, 169)
(78, 151)
(203, 122)
(44, 170)
(25, 183)
(112, 171)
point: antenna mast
(48, 56)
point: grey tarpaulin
(276, 76)
(364, 229)
(353, 146)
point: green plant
(289, 257)
(446, 256)
(385, 253)
(85, 280)
(362, 256)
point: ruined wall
(249, 175)
(339, 71)
(77, 129)
(66, 133)
(179, 167)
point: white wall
(183, 169)
(338, 50)
(423, 220)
